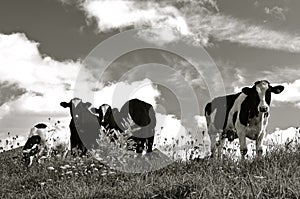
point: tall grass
(274, 176)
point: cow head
(77, 109)
(30, 149)
(102, 111)
(260, 94)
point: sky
(44, 45)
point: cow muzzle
(264, 109)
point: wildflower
(69, 172)
(50, 168)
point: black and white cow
(84, 125)
(143, 116)
(240, 115)
(50, 138)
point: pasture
(276, 175)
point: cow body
(143, 116)
(240, 115)
(48, 138)
(84, 125)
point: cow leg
(30, 161)
(140, 145)
(65, 154)
(220, 145)
(259, 149)
(41, 151)
(243, 145)
(149, 143)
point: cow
(46, 137)
(240, 115)
(143, 116)
(84, 125)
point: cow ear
(247, 90)
(87, 104)
(109, 110)
(94, 110)
(277, 89)
(65, 104)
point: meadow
(276, 175)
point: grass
(277, 175)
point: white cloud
(186, 19)
(43, 78)
(290, 94)
(118, 93)
(47, 82)
(123, 13)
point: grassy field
(275, 176)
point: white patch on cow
(235, 108)
(53, 138)
(261, 89)
(75, 102)
(104, 109)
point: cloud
(10, 91)
(227, 28)
(117, 94)
(277, 12)
(34, 83)
(290, 94)
(189, 20)
(122, 13)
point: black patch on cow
(222, 105)
(41, 126)
(234, 117)
(249, 107)
(36, 139)
(143, 116)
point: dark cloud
(10, 92)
